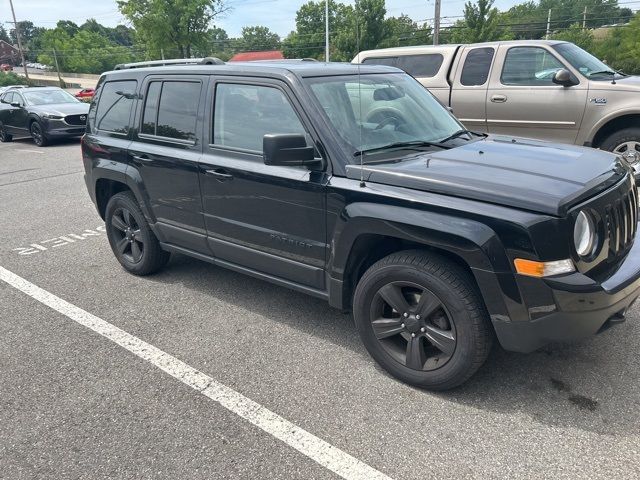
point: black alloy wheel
(421, 317)
(413, 326)
(129, 240)
(4, 136)
(37, 134)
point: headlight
(584, 234)
(53, 117)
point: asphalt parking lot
(74, 404)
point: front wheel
(421, 318)
(626, 143)
(38, 134)
(131, 238)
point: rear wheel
(421, 319)
(132, 240)
(4, 136)
(38, 134)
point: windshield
(46, 97)
(584, 62)
(381, 110)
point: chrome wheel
(629, 151)
(413, 326)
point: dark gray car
(42, 113)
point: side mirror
(563, 77)
(287, 149)
(15, 104)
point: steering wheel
(386, 117)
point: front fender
(475, 243)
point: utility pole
(546, 37)
(55, 58)
(17, 30)
(436, 23)
(326, 30)
(584, 18)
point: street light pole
(17, 30)
(436, 23)
(326, 30)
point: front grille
(76, 119)
(621, 219)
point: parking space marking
(30, 151)
(59, 241)
(315, 448)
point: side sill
(248, 271)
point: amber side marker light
(532, 268)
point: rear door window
(171, 109)
(114, 106)
(476, 67)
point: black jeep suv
(355, 185)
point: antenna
(362, 184)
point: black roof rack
(175, 61)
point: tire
(451, 339)
(133, 242)
(4, 136)
(625, 142)
(39, 138)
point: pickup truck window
(476, 67)
(244, 114)
(529, 66)
(375, 110)
(584, 62)
(418, 66)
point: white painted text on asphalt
(69, 238)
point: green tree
(259, 38)
(3, 34)
(402, 31)
(172, 25)
(68, 26)
(621, 48)
(576, 34)
(480, 24)
(308, 41)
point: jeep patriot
(354, 184)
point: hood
(630, 84)
(63, 109)
(528, 174)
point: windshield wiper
(399, 145)
(460, 133)
(610, 72)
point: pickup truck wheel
(626, 143)
(37, 134)
(422, 320)
(132, 240)
(4, 136)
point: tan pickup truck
(549, 90)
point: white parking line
(30, 151)
(325, 454)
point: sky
(278, 15)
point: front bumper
(579, 307)
(54, 128)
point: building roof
(251, 56)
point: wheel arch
(364, 239)
(611, 125)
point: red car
(85, 94)
(5, 67)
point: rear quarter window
(112, 111)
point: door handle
(221, 174)
(498, 98)
(141, 158)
